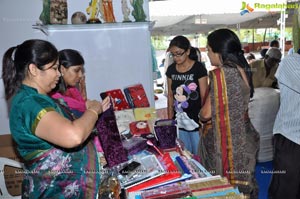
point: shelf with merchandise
(46, 29)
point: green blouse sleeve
(34, 108)
(27, 109)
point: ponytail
(9, 73)
(17, 59)
(193, 54)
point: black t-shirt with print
(186, 94)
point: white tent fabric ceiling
(174, 17)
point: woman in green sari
(59, 159)
(229, 144)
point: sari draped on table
(50, 171)
(229, 146)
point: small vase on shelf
(93, 11)
(125, 11)
(138, 11)
(107, 11)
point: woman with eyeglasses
(187, 83)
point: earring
(61, 74)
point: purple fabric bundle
(166, 133)
(110, 139)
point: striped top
(287, 120)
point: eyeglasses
(177, 54)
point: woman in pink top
(72, 79)
(70, 89)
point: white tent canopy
(173, 17)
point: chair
(3, 190)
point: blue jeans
(190, 140)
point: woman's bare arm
(203, 86)
(60, 131)
(205, 112)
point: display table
(167, 173)
(194, 182)
(157, 165)
(177, 166)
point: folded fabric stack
(208, 187)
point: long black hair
(227, 44)
(67, 59)
(70, 57)
(180, 42)
(16, 60)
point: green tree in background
(160, 42)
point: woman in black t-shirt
(187, 84)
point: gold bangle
(93, 111)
